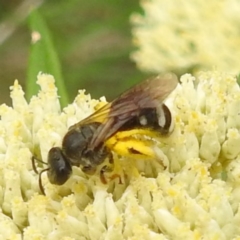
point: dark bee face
(84, 143)
(59, 167)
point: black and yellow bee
(92, 141)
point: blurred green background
(92, 40)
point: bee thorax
(76, 142)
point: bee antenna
(34, 165)
(40, 181)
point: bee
(84, 145)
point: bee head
(59, 169)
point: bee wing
(100, 116)
(147, 94)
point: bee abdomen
(164, 119)
(159, 119)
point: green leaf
(43, 58)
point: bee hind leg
(103, 170)
(114, 176)
(111, 178)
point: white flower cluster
(173, 36)
(195, 197)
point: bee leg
(111, 161)
(116, 168)
(40, 181)
(102, 173)
(106, 168)
(114, 176)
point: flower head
(189, 35)
(196, 196)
